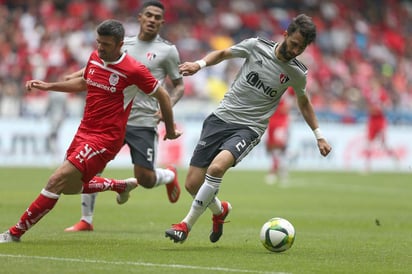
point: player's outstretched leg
(124, 194)
(122, 187)
(6, 237)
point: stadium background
(358, 42)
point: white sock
(88, 201)
(163, 176)
(204, 197)
(216, 206)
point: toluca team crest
(114, 79)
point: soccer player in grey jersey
(162, 59)
(238, 123)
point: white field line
(144, 264)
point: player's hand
(172, 135)
(324, 147)
(188, 68)
(36, 84)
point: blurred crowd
(358, 43)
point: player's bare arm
(177, 92)
(75, 74)
(306, 108)
(74, 85)
(212, 58)
(175, 95)
(163, 98)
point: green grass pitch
(345, 223)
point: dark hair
(112, 28)
(153, 3)
(305, 26)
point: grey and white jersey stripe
(263, 78)
(162, 59)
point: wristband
(318, 134)
(201, 63)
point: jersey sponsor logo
(253, 79)
(283, 78)
(100, 85)
(150, 56)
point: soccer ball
(277, 235)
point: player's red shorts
(88, 157)
(277, 136)
(376, 126)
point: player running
(240, 120)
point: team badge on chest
(283, 78)
(150, 56)
(113, 79)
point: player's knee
(59, 183)
(191, 188)
(216, 170)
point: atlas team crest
(283, 78)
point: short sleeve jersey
(162, 59)
(109, 97)
(255, 93)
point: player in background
(108, 74)
(56, 112)
(162, 59)
(239, 122)
(377, 101)
(277, 142)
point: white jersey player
(242, 117)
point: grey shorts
(142, 142)
(218, 135)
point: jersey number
(150, 154)
(241, 145)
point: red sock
(39, 208)
(100, 184)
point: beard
(284, 53)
